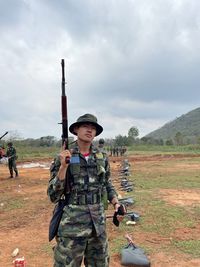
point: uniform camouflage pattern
(11, 154)
(82, 226)
(70, 251)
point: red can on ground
(19, 262)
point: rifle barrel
(125, 215)
(3, 135)
(64, 109)
(63, 76)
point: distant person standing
(12, 156)
(114, 151)
(111, 151)
(117, 151)
(101, 146)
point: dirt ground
(24, 222)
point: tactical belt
(86, 198)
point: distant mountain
(188, 125)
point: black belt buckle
(89, 198)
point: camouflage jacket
(11, 152)
(87, 180)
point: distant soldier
(12, 156)
(117, 151)
(120, 151)
(114, 151)
(108, 150)
(111, 151)
(101, 146)
(123, 150)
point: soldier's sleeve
(55, 187)
(15, 153)
(109, 186)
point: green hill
(188, 125)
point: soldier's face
(86, 132)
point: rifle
(58, 210)
(65, 143)
(64, 109)
(133, 216)
(3, 135)
(128, 201)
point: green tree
(198, 140)
(47, 141)
(169, 142)
(133, 132)
(178, 139)
(121, 140)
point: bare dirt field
(25, 212)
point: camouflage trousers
(70, 252)
(12, 166)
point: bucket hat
(101, 141)
(86, 118)
(10, 144)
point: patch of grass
(191, 247)
(161, 218)
(153, 149)
(164, 220)
(196, 211)
(28, 152)
(15, 204)
(152, 179)
(158, 216)
(117, 245)
(47, 249)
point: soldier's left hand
(120, 210)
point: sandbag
(134, 256)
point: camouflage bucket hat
(86, 118)
(101, 141)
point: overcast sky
(129, 62)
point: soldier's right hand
(65, 156)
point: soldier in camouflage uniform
(85, 181)
(101, 146)
(12, 156)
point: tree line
(120, 140)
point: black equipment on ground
(132, 255)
